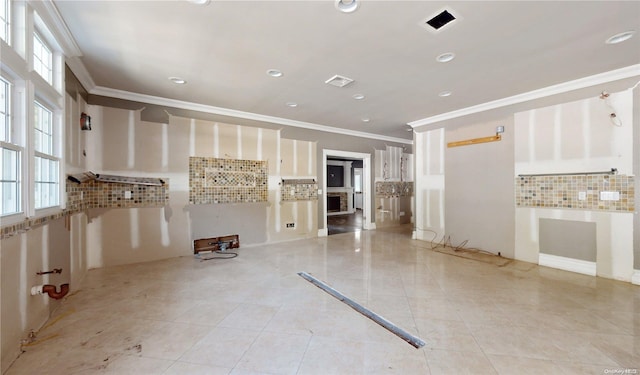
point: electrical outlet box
(291, 225)
(127, 194)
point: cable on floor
(227, 255)
(445, 242)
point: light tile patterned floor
(255, 315)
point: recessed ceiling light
(446, 57)
(445, 94)
(177, 80)
(347, 6)
(274, 73)
(358, 96)
(619, 38)
(366, 119)
(292, 104)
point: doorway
(355, 192)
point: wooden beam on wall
(474, 141)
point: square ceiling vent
(339, 81)
(439, 20)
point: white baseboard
(324, 232)
(635, 279)
(371, 226)
(567, 264)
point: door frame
(366, 187)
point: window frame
(41, 156)
(6, 22)
(44, 45)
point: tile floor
(255, 315)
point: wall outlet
(127, 194)
(401, 213)
(291, 225)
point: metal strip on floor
(414, 341)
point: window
(42, 59)
(10, 202)
(5, 113)
(46, 176)
(5, 26)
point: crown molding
(77, 67)
(150, 99)
(622, 73)
(49, 13)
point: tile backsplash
(97, 194)
(575, 192)
(215, 180)
(299, 190)
(389, 189)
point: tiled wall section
(214, 180)
(96, 194)
(389, 189)
(299, 190)
(563, 192)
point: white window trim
(27, 87)
(7, 22)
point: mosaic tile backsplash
(299, 190)
(215, 180)
(564, 192)
(97, 194)
(390, 189)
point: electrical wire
(445, 242)
(232, 255)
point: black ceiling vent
(441, 19)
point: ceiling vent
(441, 19)
(339, 81)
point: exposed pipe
(51, 290)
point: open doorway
(347, 187)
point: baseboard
(371, 226)
(323, 232)
(567, 264)
(635, 279)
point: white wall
(429, 185)
(578, 137)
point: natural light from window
(42, 59)
(46, 164)
(5, 25)
(9, 156)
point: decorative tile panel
(299, 190)
(96, 194)
(564, 192)
(389, 189)
(215, 180)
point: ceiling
(224, 49)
